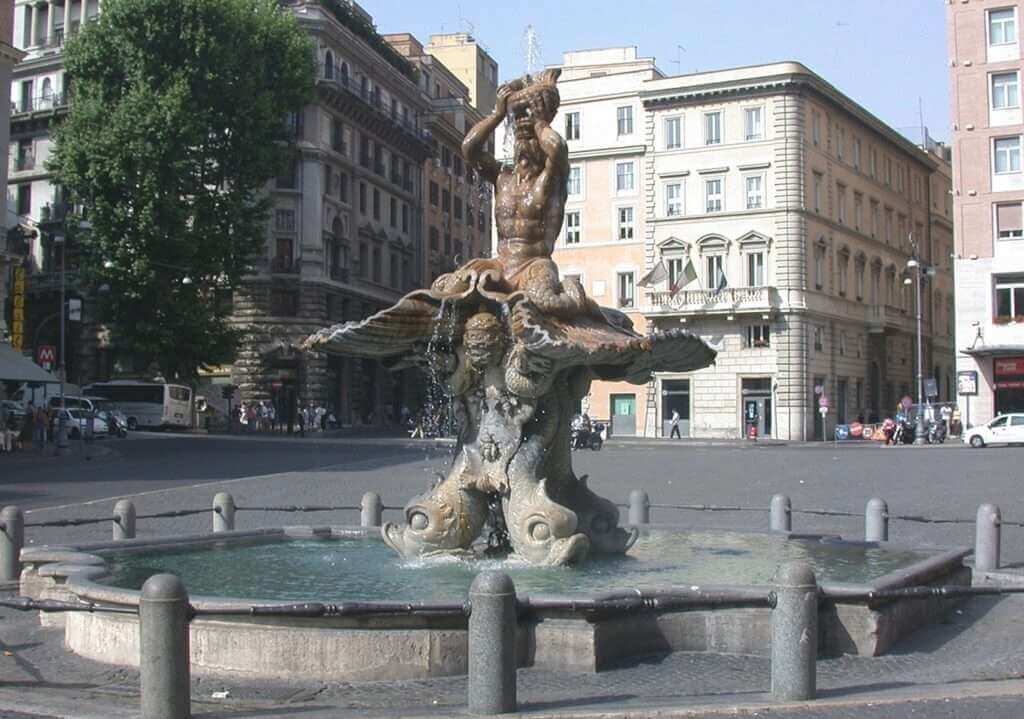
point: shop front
(1008, 373)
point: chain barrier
(297, 508)
(26, 604)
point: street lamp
(915, 264)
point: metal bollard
(12, 539)
(876, 521)
(639, 508)
(223, 512)
(795, 633)
(987, 530)
(124, 520)
(163, 648)
(781, 514)
(370, 511)
(492, 646)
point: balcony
(42, 103)
(724, 301)
(888, 318)
(24, 161)
(283, 265)
(340, 274)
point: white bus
(147, 405)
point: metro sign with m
(47, 356)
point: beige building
(457, 206)
(9, 256)
(988, 191)
(471, 64)
(765, 211)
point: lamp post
(915, 264)
(62, 436)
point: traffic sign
(47, 355)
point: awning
(995, 351)
(15, 367)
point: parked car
(77, 422)
(1004, 429)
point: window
(874, 218)
(841, 202)
(888, 226)
(674, 199)
(25, 199)
(458, 208)
(446, 201)
(1005, 90)
(819, 339)
(284, 220)
(1008, 222)
(713, 195)
(873, 163)
(815, 128)
(572, 227)
(343, 187)
(673, 133)
(856, 153)
(840, 142)
(624, 181)
(393, 212)
(1009, 298)
(714, 267)
(818, 179)
(676, 272)
(844, 263)
(858, 279)
(755, 192)
(625, 289)
(376, 265)
(435, 239)
(1002, 27)
(626, 223)
(858, 210)
(405, 217)
(435, 192)
(376, 203)
(713, 128)
(575, 180)
(362, 197)
(842, 344)
(289, 179)
(819, 266)
(625, 120)
(758, 336)
(572, 125)
(755, 269)
(752, 124)
(1007, 154)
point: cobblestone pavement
(981, 644)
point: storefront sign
(18, 302)
(967, 382)
(1009, 367)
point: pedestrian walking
(321, 417)
(302, 417)
(946, 415)
(674, 423)
(41, 420)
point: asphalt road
(173, 471)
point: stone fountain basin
(416, 647)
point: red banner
(1009, 367)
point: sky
(887, 55)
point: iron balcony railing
(711, 300)
(53, 101)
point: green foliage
(177, 122)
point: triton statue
(516, 348)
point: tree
(176, 124)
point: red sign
(47, 354)
(1009, 367)
(1010, 384)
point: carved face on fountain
(484, 341)
(534, 99)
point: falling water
(531, 49)
(438, 409)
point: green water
(333, 570)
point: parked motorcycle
(585, 435)
(937, 432)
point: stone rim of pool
(409, 647)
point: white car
(1004, 429)
(77, 422)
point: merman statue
(516, 348)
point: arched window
(329, 65)
(47, 91)
(344, 72)
(713, 250)
(364, 87)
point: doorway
(757, 405)
(675, 397)
(623, 415)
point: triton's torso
(527, 215)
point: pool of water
(333, 570)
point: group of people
(263, 417)
(20, 431)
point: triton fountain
(517, 347)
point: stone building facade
(10, 256)
(988, 193)
(772, 216)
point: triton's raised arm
(476, 139)
(543, 108)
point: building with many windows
(9, 255)
(988, 192)
(457, 206)
(765, 211)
